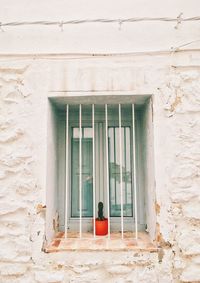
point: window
(87, 131)
(104, 173)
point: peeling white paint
(23, 143)
(26, 83)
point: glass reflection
(87, 165)
(114, 172)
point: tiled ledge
(101, 243)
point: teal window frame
(100, 193)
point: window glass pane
(87, 180)
(127, 180)
(87, 133)
(114, 167)
(76, 133)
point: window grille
(78, 139)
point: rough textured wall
(24, 87)
(182, 104)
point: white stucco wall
(139, 36)
(25, 84)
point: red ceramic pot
(101, 227)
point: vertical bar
(134, 174)
(66, 164)
(107, 170)
(94, 180)
(125, 165)
(121, 184)
(80, 169)
(115, 163)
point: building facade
(147, 73)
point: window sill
(101, 243)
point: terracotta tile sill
(101, 243)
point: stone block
(142, 275)
(15, 249)
(49, 277)
(118, 269)
(192, 210)
(184, 191)
(189, 75)
(11, 228)
(80, 269)
(11, 136)
(191, 273)
(8, 269)
(189, 240)
(12, 207)
(196, 259)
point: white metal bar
(120, 160)
(107, 170)
(94, 180)
(134, 173)
(80, 169)
(66, 173)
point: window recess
(102, 153)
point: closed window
(100, 155)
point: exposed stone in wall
(17, 180)
(23, 107)
(183, 108)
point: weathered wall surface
(24, 89)
(25, 84)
